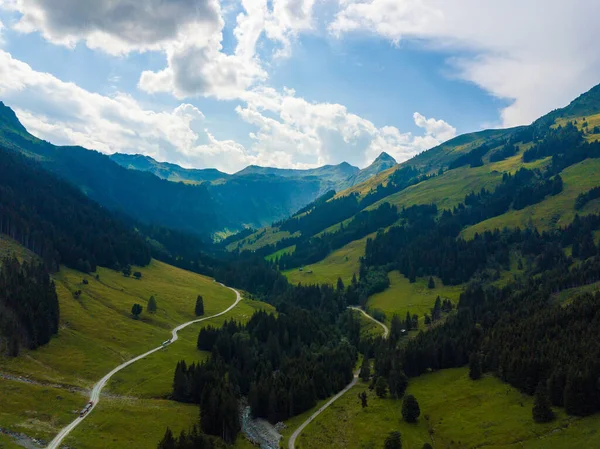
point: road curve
(298, 431)
(386, 331)
(95, 395)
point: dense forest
(59, 223)
(523, 332)
(283, 363)
(29, 309)
(310, 344)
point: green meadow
(456, 412)
(402, 296)
(342, 263)
(97, 333)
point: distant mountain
(166, 170)
(203, 202)
(330, 177)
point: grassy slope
(462, 414)
(97, 331)
(148, 381)
(96, 334)
(554, 211)
(343, 263)
(402, 296)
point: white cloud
(294, 132)
(438, 129)
(64, 113)
(117, 26)
(194, 70)
(540, 57)
(290, 131)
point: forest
(59, 223)
(29, 310)
(283, 363)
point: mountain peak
(385, 157)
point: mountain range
(200, 201)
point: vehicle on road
(86, 409)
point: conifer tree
(168, 441)
(542, 412)
(151, 307)
(199, 306)
(431, 283)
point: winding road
(95, 395)
(298, 431)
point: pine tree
(381, 387)
(365, 370)
(410, 409)
(474, 366)
(168, 441)
(393, 441)
(151, 307)
(199, 306)
(340, 285)
(431, 283)
(408, 322)
(542, 412)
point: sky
(289, 83)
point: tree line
(521, 332)
(29, 310)
(59, 223)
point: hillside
(40, 389)
(450, 172)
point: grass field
(554, 211)
(96, 334)
(97, 331)
(343, 263)
(456, 412)
(402, 296)
(445, 191)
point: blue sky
(289, 83)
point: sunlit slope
(449, 188)
(554, 211)
(342, 263)
(97, 331)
